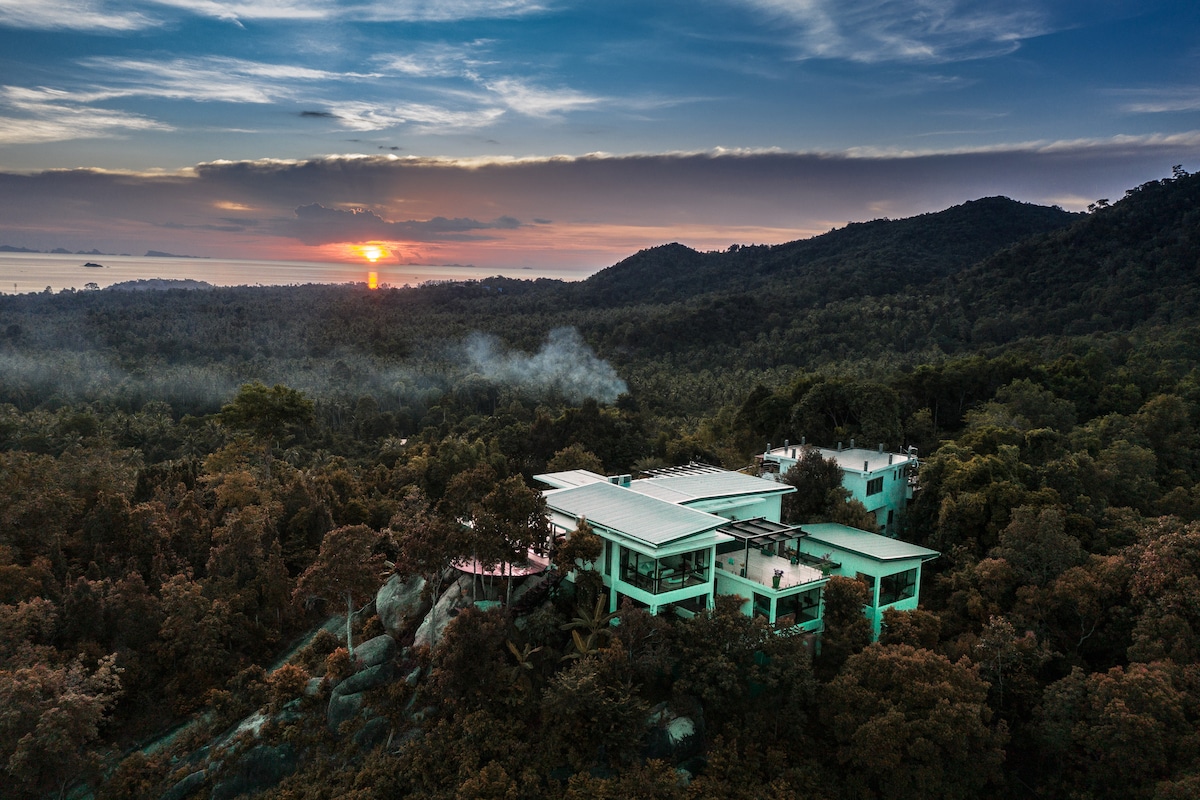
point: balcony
(754, 565)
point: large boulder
(186, 787)
(260, 768)
(674, 737)
(400, 603)
(368, 678)
(373, 652)
(373, 733)
(342, 707)
(457, 596)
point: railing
(762, 568)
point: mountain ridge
(881, 255)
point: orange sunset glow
(371, 252)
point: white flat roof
(872, 545)
(850, 458)
(569, 478)
(636, 515)
(709, 485)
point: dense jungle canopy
(172, 463)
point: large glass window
(874, 486)
(762, 605)
(665, 574)
(894, 588)
(638, 569)
(797, 608)
(869, 580)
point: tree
(51, 717)
(346, 568)
(815, 478)
(1010, 662)
(1166, 592)
(575, 456)
(509, 520)
(193, 642)
(1036, 543)
(597, 625)
(716, 654)
(847, 630)
(592, 707)
(270, 415)
(820, 495)
(909, 723)
(916, 627)
(427, 543)
(578, 553)
(471, 663)
(1115, 734)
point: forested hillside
(862, 259)
(192, 479)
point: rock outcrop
(400, 603)
(373, 652)
(673, 737)
(261, 767)
(376, 659)
(457, 596)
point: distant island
(157, 284)
(58, 251)
(8, 248)
(161, 254)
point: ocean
(35, 272)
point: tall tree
(815, 478)
(509, 520)
(847, 630)
(427, 542)
(909, 723)
(347, 568)
(51, 718)
(270, 415)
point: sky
(556, 133)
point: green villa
(882, 481)
(679, 537)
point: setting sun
(371, 252)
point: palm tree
(595, 622)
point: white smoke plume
(565, 365)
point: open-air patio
(760, 568)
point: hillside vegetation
(193, 479)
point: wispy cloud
(364, 10)
(424, 117)
(536, 101)
(210, 78)
(90, 15)
(922, 31)
(43, 115)
(130, 15)
(1160, 100)
(464, 75)
(317, 225)
(435, 60)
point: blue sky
(517, 132)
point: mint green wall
(854, 563)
